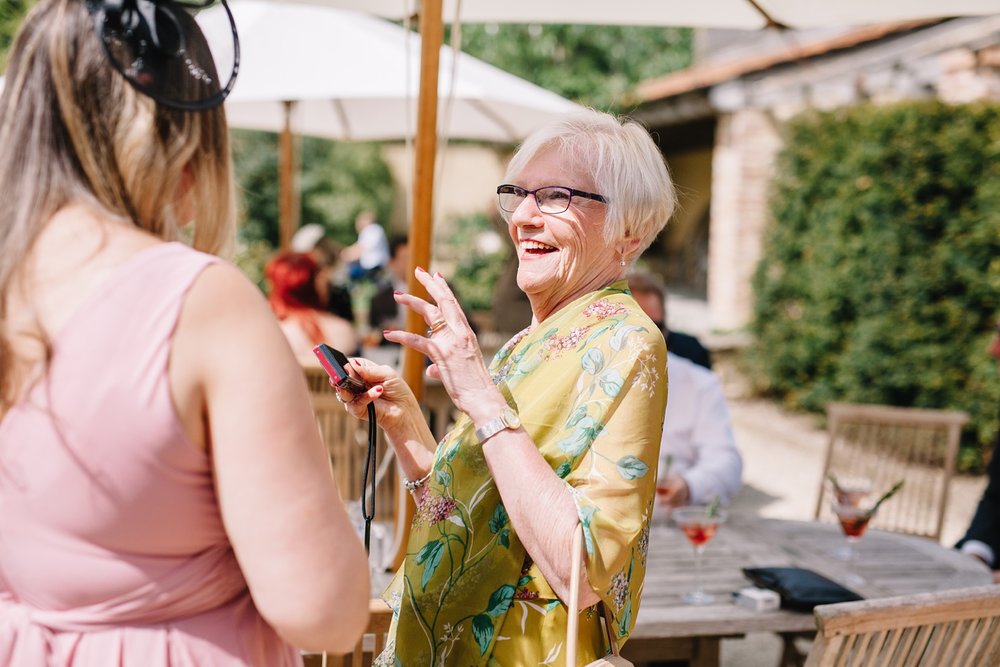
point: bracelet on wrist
(416, 484)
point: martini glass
(849, 492)
(699, 527)
(854, 522)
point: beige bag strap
(572, 613)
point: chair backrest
(957, 628)
(346, 439)
(368, 647)
(887, 444)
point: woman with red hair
(292, 277)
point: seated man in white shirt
(698, 455)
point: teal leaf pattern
(577, 415)
(581, 438)
(500, 600)
(620, 338)
(482, 630)
(564, 469)
(612, 382)
(630, 467)
(430, 558)
(593, 361)
(442, 477)
(626, 619)
(499, 519)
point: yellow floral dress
(590, 386)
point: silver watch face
(510, 418)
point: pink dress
(112, 548)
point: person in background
(384, 311)
(680, 344)
(166, 496)
(370, 252)
(292, 279)
(312, 239)
(982, 539)
(698, 455)
(558, 435)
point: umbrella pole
(286, 195)
(421, 229)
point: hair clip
(161, 51)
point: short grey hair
(624, 162)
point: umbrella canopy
(354, 77)
(746, 14)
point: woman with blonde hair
(166, 497)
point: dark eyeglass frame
(509, 189)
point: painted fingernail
(379, 390)
(421, 269)
(438, 274)
(386, 331)
(396, 291)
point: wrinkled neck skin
(547, 303)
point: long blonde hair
(72, 130)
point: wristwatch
(507, 419)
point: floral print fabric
(589, 384)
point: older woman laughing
(559, 434)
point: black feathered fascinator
(159, 48)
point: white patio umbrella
(354, 77)
(340, 74)
(745, 14)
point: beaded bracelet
(416, 484)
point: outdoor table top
(891, 564)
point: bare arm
(302, 559)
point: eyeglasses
(550, 199)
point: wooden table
(666, 628)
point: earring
(622, 261)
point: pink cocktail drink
(700, 533)
(854, 526)
(853, 522)
(700, 524)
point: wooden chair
(368, 647)
(887, 444)
(346, 439)
(957, 628)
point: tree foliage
(337, 181)
(11, 14)
(880, 279)
(594, 65)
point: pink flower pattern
(602, 310)
(433, 509)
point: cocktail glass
(699, 527)
(851, 491)
(854, 522)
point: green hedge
(880, 280)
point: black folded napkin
(800, 589)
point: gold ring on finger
(435, 327)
